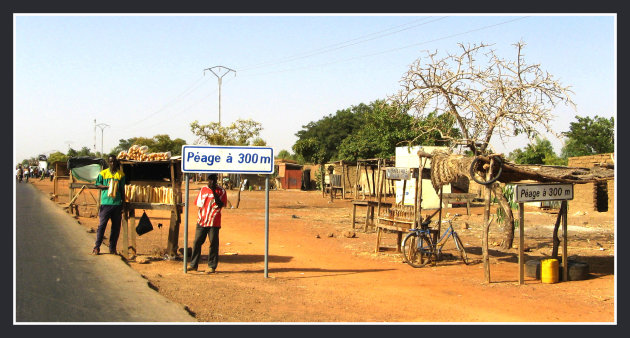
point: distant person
(112, 182)
(51, 174)
(19, 174)
(26, 174)
(210, 201)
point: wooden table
(369, 213)
(459, 198)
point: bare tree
(241, 132)
(486, 95)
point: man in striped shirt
(210, 201)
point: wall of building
(585, 195)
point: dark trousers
(200, 237)
(106, 213)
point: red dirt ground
(317, 275)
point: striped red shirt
(209, 214)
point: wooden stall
(154, 185)
(532, 182)
(366, 178)
(61, 172)
(396, 217)
(83, 185)
(338, 179)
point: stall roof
(545, 173)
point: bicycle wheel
(416, 249)
(460, 248)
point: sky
(90, 80)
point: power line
(189, 90)
(393, 49)
(340, 45)
(183, 110)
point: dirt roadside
(316, 274)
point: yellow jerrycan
(549, 271)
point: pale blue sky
(144, 74)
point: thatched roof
(546, 173)
(446, 167)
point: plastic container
(549, 271)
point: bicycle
(418, 247)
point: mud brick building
(591, 197)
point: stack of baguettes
(148, 194)
(140, 153)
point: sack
(144, 225)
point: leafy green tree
(242, 132)
(259, 142)
(157, 144)
(311, 150)
(540, 152)
(318, 141)
(386, 127)
(285, 155)
(369, 131)
(163, 143)
(85, 151)
(589, 137)
(72, 153)
(56, 157)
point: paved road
(57, 280)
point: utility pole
(219, 77)
(102, 126)
(94, 136)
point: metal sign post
(266, 225)
(535, 193)
(186, 222)
(228, 159)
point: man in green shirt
(112, 182)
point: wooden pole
(555, 239)
(330, 173)
(379, 231)
(322, 172)
(402, 202)
(77, 195)
(415, 205)
(484, 248)
(486, 211)
(380, 196)
(440, 215)
(379, 178)
(132, 231)
(356, 182)
(367, 179)
(420, 193)
(125, 225)
(173, 231)
(521, 243)
(343, 181)
(565, 258)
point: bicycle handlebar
(451, 219)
